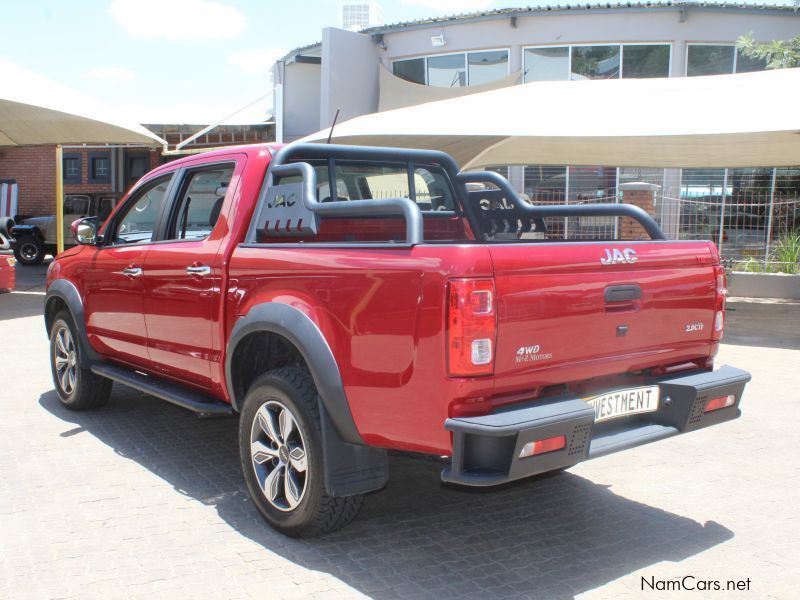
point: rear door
(578, 310)
(183, 272)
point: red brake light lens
(471, 327)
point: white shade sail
(743, 120)
(35, 110)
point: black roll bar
(571, 210)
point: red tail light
(719, 303)
(471, 327)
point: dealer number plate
(621, 403)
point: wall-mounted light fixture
(438, 40)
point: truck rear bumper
(486, 449)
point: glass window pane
(546, 64)
(595, 62)
(447, 71)
(590, 184)
(201, 203)
(709, 60)
(141, 214)
(745, 64)
(646, 60)
(411, 70)
(76, 205)
(487, 66)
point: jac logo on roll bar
(615, 256)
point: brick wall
(34, 169)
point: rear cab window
(430, 188)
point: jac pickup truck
(347, 301)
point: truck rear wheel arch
(62, 294)
(292, 334)
(273, 335)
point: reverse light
(550, 444)
(471, 327)
(721, 402)
(720, 293)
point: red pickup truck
(345, 301)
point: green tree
(778, 54)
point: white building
(389, 66)
(355, 15)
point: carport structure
(747, 120)
(35, 111)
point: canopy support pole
(59, 199)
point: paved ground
(142, 499)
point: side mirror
(85, 231)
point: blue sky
(170, 60)
(177, 60)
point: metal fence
(753, 215)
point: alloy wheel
(65, 356)
(278, 456)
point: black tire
(315, 512)
(78, 388)
(28, 250)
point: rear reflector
(719, 321)
(721, 402)
(542, 446)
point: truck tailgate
(567, 307)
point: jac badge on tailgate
(615, 256)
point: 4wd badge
(617, 256)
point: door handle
(199, 270)
(622, 293)
(132, 271)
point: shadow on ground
(549, 538)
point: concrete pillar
(642, 195)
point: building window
(137, 165)
(412, 70)
(546, 64)
(487, 66)
(595, 62)
(100, 168)
(641, 61)
(719, 59)
(447, 71)
(454, 70)
(72, 168)
(559, 63)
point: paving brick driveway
(142, 499)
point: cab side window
(199, 203)
(140, 214)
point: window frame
(621, 46)
(725, 44)
(90, 176)
(183, 177)
(130, 156)
(72, 178)
(464, 53)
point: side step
(203, 405)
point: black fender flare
(304, 334)
(350, 466)
(23, 230)
(66, 291)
